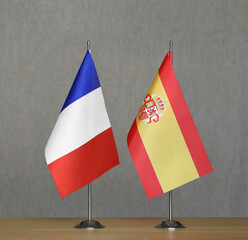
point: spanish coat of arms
(151, 109)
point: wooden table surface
(123, 228)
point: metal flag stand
(170, 223)
(89, 223)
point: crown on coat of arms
(160, 103)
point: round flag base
(171, 225)
(89, 224)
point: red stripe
(142, 163)
(83, 165)
(184, 118)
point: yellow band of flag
(178, 167)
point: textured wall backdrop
(42, 44)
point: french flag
(81, 146)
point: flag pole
(170, 192)
(170, 206)
(89, 223)
(89, 203)
(170, 223)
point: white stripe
(77, 124)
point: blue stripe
(85, 81)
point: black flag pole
(89, 223)
(170, 223)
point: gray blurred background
(42, 44)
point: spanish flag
(163, 141)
